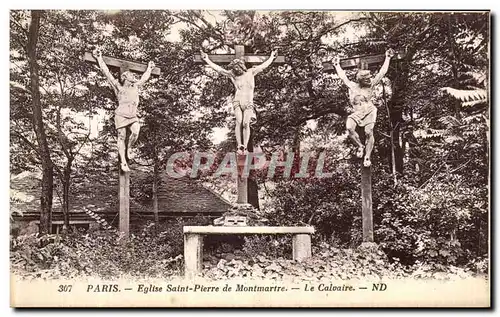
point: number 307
(65, 288)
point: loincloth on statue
(364, 114)
(121, 121)
(243, 106)
(126, 114)
(246, 108)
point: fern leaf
(467, 96)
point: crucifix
(368, 61)
(122, 64)
(244, 82)
(239, 53)
(364, 116)
(126, 120)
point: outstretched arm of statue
(102, 65)
(341, 72)
(146, 74)
(217, 68)
(257, 69)
(385, 67)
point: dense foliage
(149, 255)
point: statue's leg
(370, 141)
(134, 134)
(246, 126)
(122, 134)
(239, 121)
(351, 130)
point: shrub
(100, 253)
(328, 204)
(442, 223)
(433, 224)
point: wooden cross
(252, 60)
(124, 178)
(369, 61)
(354, 62)
(122, 64)
(240, 54)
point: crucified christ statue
(127, 93)
(243, 80)
(365, 112)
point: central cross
(353, 62)
(251, 59)
(239, 52)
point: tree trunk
(396, 121)
(47, 168)
(156, 169)
(396, 106)
(391, 135)
(296, 151)
(253, 187)
(66, 187)
(253, 193)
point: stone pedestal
(235, 221)
(241, 215)
(193, 254)
(301, 244)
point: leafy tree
(25, 35)
(64, 93)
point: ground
(146, 255)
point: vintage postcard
(197, 158)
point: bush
(141, 189)
(328, 204)
(436, 224)
(442, 223)
(102, 253)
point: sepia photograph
(249, 158)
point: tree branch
(20, 26)
(83, 143)
(26, 141)
(203, 30)
(60, 133)
(324, 32)
(461, 166)
(437, 170)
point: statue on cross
(127, 92)
(243, 80)
(360, 97)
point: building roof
(176, 198)
(184, 195)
